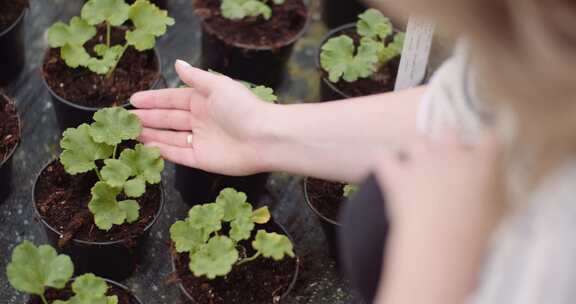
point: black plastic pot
(339, 12)
(134, 298)
(189, 298)
(200, 187)
(12, 53)
(258, 65)
(330, 227)
(6, 164)
(114, 259)
(71, 115)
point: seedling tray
(319, 282)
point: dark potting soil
(53, 294)
(11, 10)
(286, 23)
(262, 281)
(9, 127)
(136, 71)
(326, 197)
(381, 82)
(62, 201)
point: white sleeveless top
(532, 258)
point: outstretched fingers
(165, 119)
(204, 82)
(172, 138)
(177, 155)
(178, 99)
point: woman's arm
(440, 233)
(236, 134)
(340, 140)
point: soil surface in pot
(52, 294)
(9, 127)
(287, 22)
(136, 71)
(11, 10)
(62, 201)
(262, 281)
(326, 197)
(381, 82)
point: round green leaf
(186, 238)
(114, 12)
(80, 151)
(206, 217)
(214, 259)
(234, 204)
(146, 163)
(32, 268)
(273, 245)
(113, 125)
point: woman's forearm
(338, 140)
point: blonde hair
(525, 51)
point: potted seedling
(99, 201)
(336, 13)
(47, 277)
(250, 39)
(96, 61)
(360, 59)
(9, 138)
(326, 199)
(11, 39)
(197, 186)
(163, 4)
(221, 257)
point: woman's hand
(444, 199)
(214, 125)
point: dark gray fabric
(363, 238)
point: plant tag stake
(415, 55)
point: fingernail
(135, 98)
(183, 64)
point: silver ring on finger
(189, 139)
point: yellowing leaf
(261, 215)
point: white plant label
(415, 55)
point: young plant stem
(114, 153)
(43, 298)
(109, 75)
(108, 29)
(250, 259)
(98, 174)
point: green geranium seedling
(149, 23)
(126, 175)
(342, 59)
(240, 9)
(214, 254)
(34, 269)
